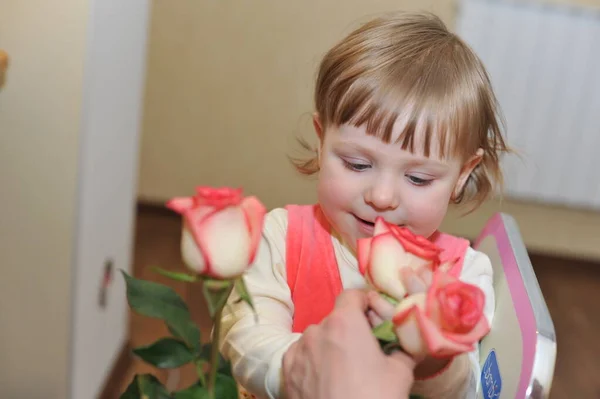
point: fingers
(426, 276)
(404, 359)
(287, 370)
(374, 318)
(380, 306)
(414, 283)
(354, 299)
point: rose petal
(461, 306)
(192, 257)
(218, 198)
(406, 306)
(420, 309)
(225, 242)
(406, 324)
(409, 335)
(194, 218)
(434, 342)
(448, 283)
(363, 249)
(180, 204)
(438, 343)
(416, 262)
(387, 255)
(479, 331)
(417, 245)
(381, 226)
(254, 212)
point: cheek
(428, 209)
(335, 187)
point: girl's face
(362, 177)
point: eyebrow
(417, 160)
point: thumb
(353, 299)
(403, 367)
(402, 359)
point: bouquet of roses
(434, 313)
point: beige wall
(228, 92)
(39, 122)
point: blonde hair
(409, 67)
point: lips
(364, 221)
(369, 223)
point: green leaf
(195, 391)
(165, 353)
(145, 386)
(216, 293)
(224, 366)
(385, 332)
(216, 284)
(152, 299)
(226, 387)
(196, 347)
(242, 291)
(188, 278)
(132, 391)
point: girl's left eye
(418, 181)
(357, 167)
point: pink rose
(445, 321)
(382, 257)
(222, 230)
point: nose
(381, 194)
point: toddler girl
(406, 121)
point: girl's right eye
(357, 167)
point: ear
(318, 126)
(466, 171)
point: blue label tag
(491, 382)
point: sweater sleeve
(255, 345)
(460, 379)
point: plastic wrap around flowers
(444, 318)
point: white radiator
(544, 62)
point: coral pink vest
(311, 266)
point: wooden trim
(114, 381)
(155, 208)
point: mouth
(363, 221)
(370, 223)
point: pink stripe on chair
(526, 295)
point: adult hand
(341, 359)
